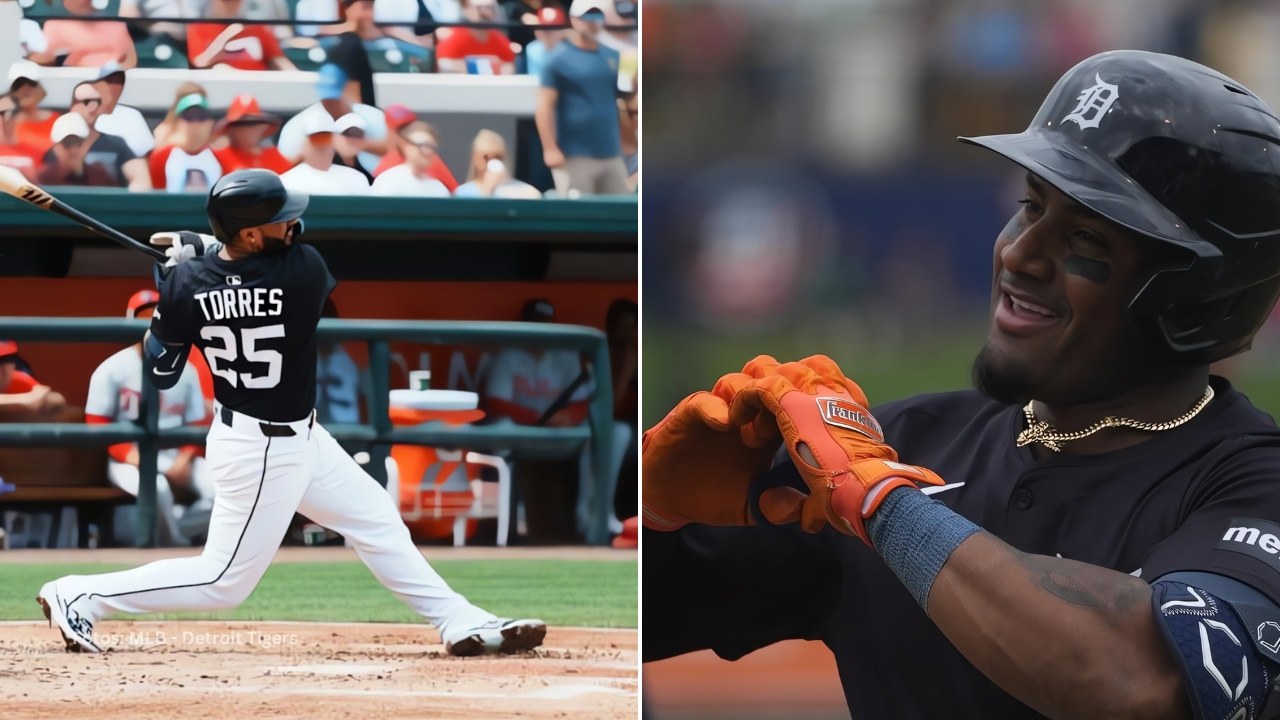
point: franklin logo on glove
(845, 413)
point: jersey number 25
(226, 338)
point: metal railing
(378, 433)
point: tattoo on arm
(1092, 587)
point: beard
(1000, 380)
(273, 245)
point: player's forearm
(1071, 640)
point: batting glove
(834, 441)
(183, 245)
(698, 465)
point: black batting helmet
(1183, 154)
(249, 198)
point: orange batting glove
(836, 444)
(698, 465)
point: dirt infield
(316, 671)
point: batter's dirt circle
(316, 671)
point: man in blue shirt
(577, 114)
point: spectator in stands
(170, 32)
(412, 177)
(530, 14)
(348, 143)
(67, 165)
(478, 51)
(548, 32)
(336, 99)
(621, 35)
(622, 328)
(246, 127)
(22, 398)
(361, 21)
(551, 388)
(188, 164)
(13, 153)
(420, 32)
(169, 124)
(118, 119)
(488, 176)
(115, 394)
(245, 47)
(399, 118)
(32, 124)
(111, 151)
(350, 55)
(86, 43)
(629, 126)
(577, 114)
(337, 379)
(316, 174)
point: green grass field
(561, 592)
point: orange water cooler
(434, 485)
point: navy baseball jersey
(255, 321)
(1201, 497)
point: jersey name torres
(255, 321)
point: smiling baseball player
(250, 298)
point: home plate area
(189, 669)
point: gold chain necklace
(1039, 431)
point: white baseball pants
(263, 472)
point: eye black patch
(1088, 268)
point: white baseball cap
(348, 121)
(315, 123)
(23, 70)
(580, 8)
(67, 125)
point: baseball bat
(12, 182)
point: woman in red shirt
(32, 125)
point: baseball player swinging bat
(12, 182)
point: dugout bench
(379, 433)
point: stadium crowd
(583, 52)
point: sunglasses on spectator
(72, 143)
(426, 146)
(494, 156)
(196, 115)
(353, 133)
(89, 102)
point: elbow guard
(163, 361)
(1228, 667)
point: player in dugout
(1094, 531)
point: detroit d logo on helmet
(1093, 103)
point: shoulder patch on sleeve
(1254, 537)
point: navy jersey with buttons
(1189, 499)
(254, 319)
